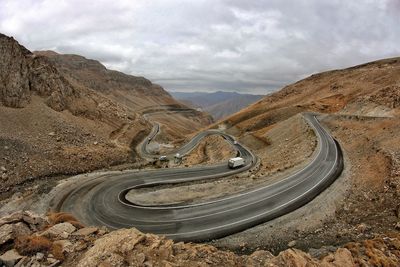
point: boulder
(12, 218)
(6, 233)
(342, 257)
(20, 229)
(10, 258)
(108, 248)
(52, 261)
(39, 256)
(11, 231)
(61, 230)
(294, 258)
(66, 245)
(34, 219)
(259, 258)
(86, 231)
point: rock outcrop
(23, 74)
(14, 73)
(46, 81)
(91, 246)
(136, 93)
(49, 125)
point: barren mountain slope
(50, 126)
(135, 93)
(362, 111)
(368, 89)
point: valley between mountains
(69, 125)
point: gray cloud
(233, 45)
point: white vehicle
(235, 142)
(235, 162)
(163, 158)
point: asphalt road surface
(101, 201)
(185, 149)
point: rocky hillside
(137, 94)
(50, 126)
(25, 75)
(371, 89)
(360, 106)
(22, 74)
(58, 121)
(27, 239)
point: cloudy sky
(208, 45)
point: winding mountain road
(101, 200)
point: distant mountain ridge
(219, 104)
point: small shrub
(374, 250)
(60, 217)
(29, 245)
(57, 251)
(77, 224)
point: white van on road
(235, 162)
